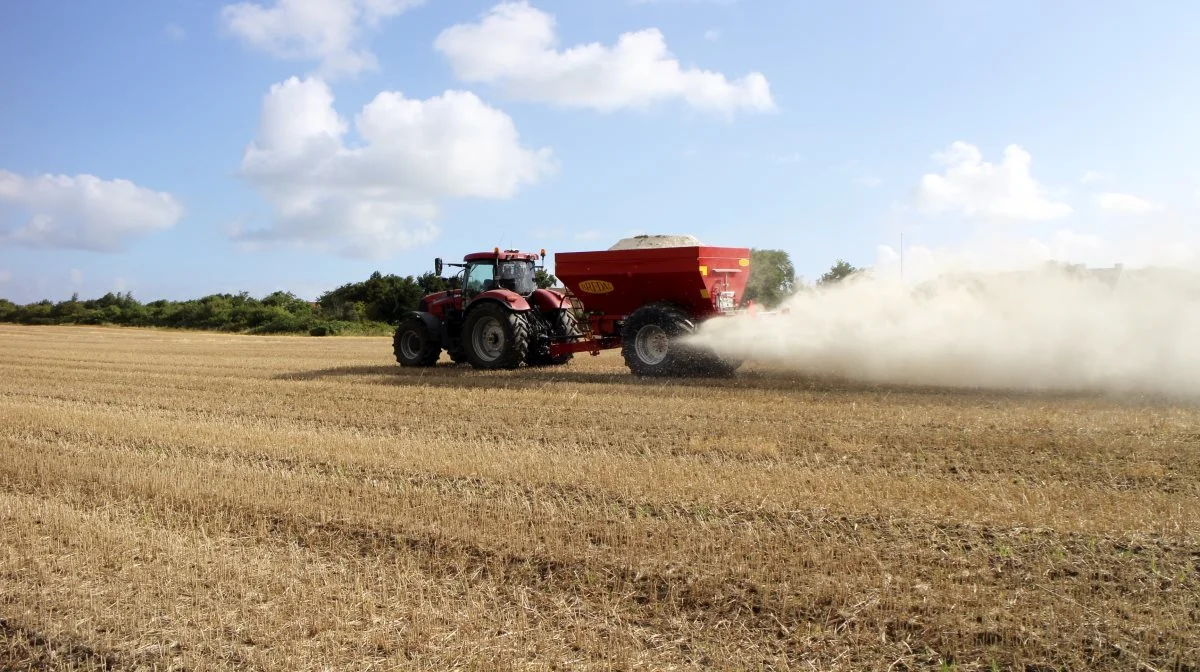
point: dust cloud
(1046, 328)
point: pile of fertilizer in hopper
(656, 240)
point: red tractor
(498, 318)
(644, 300)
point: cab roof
(502, 255)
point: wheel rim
(488, 339)
(410, 344)
(652, 344)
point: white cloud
(1092, 176)
(712, 35)
(379, 195)
(1126, 204)
(514, 46)
(328, 31)
(975, 188)
(83, 211)
(175, 32)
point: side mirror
(437, 266)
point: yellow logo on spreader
(596, 286)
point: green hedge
(362, 308)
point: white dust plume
(1048, 328)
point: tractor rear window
(516, 276)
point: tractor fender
(432, 323)
(548, 301)
(504, 297)
(438, 304)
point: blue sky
(139, 150)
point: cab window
(479, 278)
(516, 276)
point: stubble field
(203, 501)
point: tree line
(773, 277)
(372, 306)
(364, 307)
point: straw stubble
(213, 501)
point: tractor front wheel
(414, 345)
(495, 337)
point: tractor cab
(486, 271)
(484, 275)
(515, 275)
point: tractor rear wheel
(414, 345)
(563, 324)
(495, 337)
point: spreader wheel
(650, 341)
(651, 345)
(712, 365)
(495, 337)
